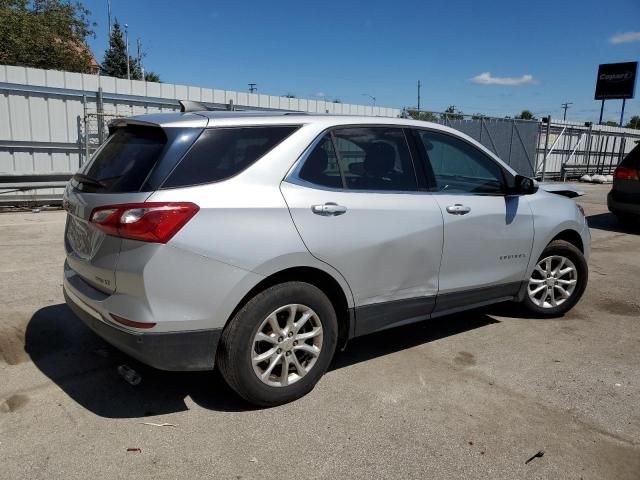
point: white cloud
(320, 94)
(486, 78)
(626, 37)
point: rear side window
(125, 160)
(220, 153)
(375, 158)
(367, 158)
(632, 160)
(321, 166)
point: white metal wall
(39, 111)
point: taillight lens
(625, 173)
(147, 222)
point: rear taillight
(147, 222)
(625, 173)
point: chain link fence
(93, 130)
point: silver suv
(260, 243)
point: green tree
(424, 116)
(289, 95)
(49, 34)
(452, 114)
(152, 77)
(611, 123)
(634, 122)
(115, 57)
(525, 115)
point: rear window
(632, 160)
(220, 153)
(125, 160)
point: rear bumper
(175, 351)
(616, 206)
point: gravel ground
(468, 396)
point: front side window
(220, 153)
(460, 167)
(367, 158)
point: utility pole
(139, 42)
(109, 16)
(565, 106)
(126, 42)
(418, 96)
(253, 88)
(373, 99)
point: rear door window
(220, 153)
(632, 160)
(321, 166)
(124, 161)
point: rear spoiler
(563, 189)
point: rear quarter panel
(242, 226)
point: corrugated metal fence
(513, 140)
(42, 117)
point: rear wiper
(82, 178)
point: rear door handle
(458, 209)
(328, 209)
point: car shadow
(608, 222)
(85, 367)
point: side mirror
(525, 185)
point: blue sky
(550, 50)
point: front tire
(558, 280)
(279, 344)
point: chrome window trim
(292, 175)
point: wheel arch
(571, 236)
(318, 278)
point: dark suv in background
(624, 198)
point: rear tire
(558, 281)
(279, 344)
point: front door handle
(328, 209)
(458, 209)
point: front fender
(552, 215)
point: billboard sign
(616, 80)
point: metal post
(126, 42)
(100, 115)
(604, 155)
(546, 147)
(587, 151)
(601, 112)
(623, 146)
(86, 130)
(79, 127)
(624, 100)
(418, 96)
(613, 153)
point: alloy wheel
(552, 282)
(287, 345)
